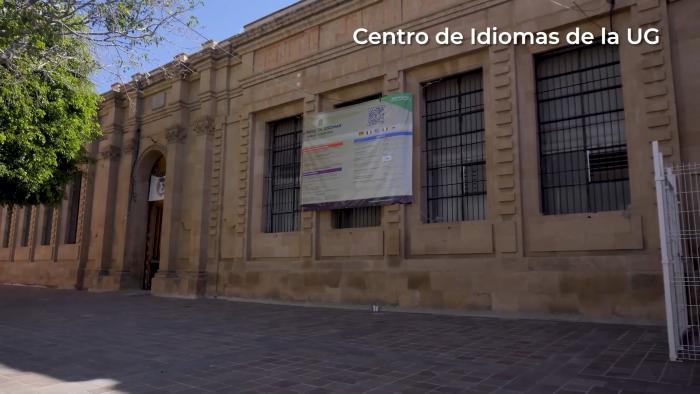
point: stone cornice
(423, 23)
(281, 27)
(265, 30)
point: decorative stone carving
(129, 146)
(111, 152)
(209, 44)
(181, 67)
(175, 134)
(204, 125)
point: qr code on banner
(376, 115)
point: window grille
(73, 209)
(455, 182)
(8, 226)
(357, 217)
(360, 216)
(284, 157)
(582, 143)
(26, 226)
(46, 227)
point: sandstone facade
(208, 118)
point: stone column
(243, 205)
(13, 231)
(102, 226)
(215, 215)
(502, 150)
(103, 183)
(198, 199)
(122, 250)
(167, 280)
(392, 215)
(33, 228)
(120, 271)
(309, 219)
(656, 71)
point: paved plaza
(60, 341)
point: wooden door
(152, 261)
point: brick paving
(59, 341)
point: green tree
(48, 106)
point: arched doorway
(156, 194)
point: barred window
(582, 144)
(455, 178)
(284, 157)
(73, 209)
(26, 225)
(357, 217)
(46, 226)
(360, 216)
(8, 226)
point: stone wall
(209, 120)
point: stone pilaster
(501, 143)
(308, 225)
(215, 205)
(117, 274)
(502, 77)
(659, 109)
(392, 215)
(32, 239)
(54, 231)
(198, 199)
(102, 227)
(87, 194)
(243, 186)
(13, 231)
(166, 280)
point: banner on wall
(156, 190)
(359, 155)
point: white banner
(156, 190)
(358, 155)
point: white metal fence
(678, 201)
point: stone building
(533, 189)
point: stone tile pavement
(60, 341)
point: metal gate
(678, 202)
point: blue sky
(218, 19)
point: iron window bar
(282, 196)
(581, 136)
(455, 170)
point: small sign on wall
(156, 191)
